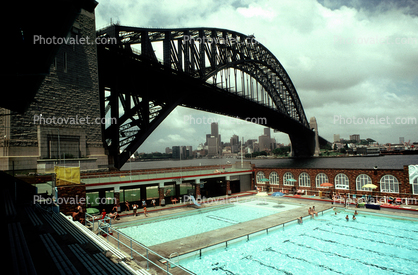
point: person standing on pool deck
(145, 211)
(134, 208)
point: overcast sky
(352, 62)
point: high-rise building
(214, 141)
(250, 143)
(179, 152)
(273, 144)
(401, 140)
(235, 144)
(214, 130)
(189, 151)
(265, 141)
(207, 138)
(336, 138)
(176, 152)
(267, 132)
(355, 138)
(213, 147)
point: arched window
(415, 186)
(320, 179)
(259, 176)
(361, 181)
(304, 180)
(274, 178)
(288, 179)
(341, 182)
(389, 184)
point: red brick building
(389, 182)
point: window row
(388, 183)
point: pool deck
(199, 241)
(219, 236)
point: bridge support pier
(303, 145)
(314, 126)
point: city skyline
(352, 62)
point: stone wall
(70, 92)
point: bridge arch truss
(218, 61)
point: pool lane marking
(227, 271)
(175, 216)
(222, 219)
(378, 232)
(381, 225)
(357, 237)
(378, 225)
(303, 260)
(346, 257)
(357, 247)
(250, 257)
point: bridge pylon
(314, 126)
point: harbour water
(382, 162)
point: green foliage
(282, 151)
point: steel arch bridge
(209, 69)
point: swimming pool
(328, 245)
(156, 231)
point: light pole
(242, 160)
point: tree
(282, 151)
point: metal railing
(149, 175)
(245, 237)
(123, 240)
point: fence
(246, 237)
(152, 174)
(134, 247)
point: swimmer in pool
(347, 218)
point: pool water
(328, 245)
(158, 231)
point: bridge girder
(195, 62)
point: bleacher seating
(110, 266)
(36, 221)
(21, 258)
(40, 241)
(64, 265)
(53, 223)
(89, 263)
(8, 205)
